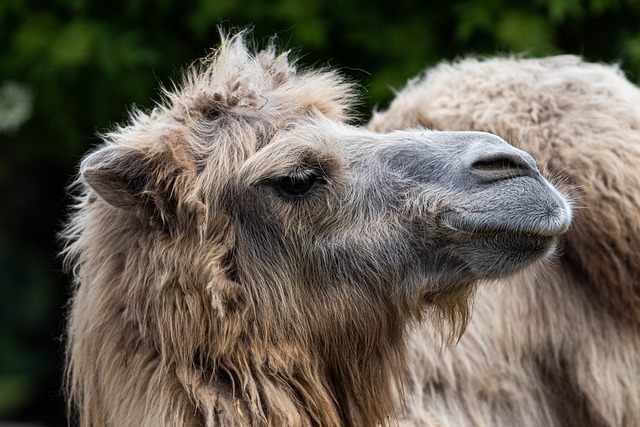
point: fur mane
(148, 336)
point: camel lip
(476, 223)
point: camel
(556, 346)
(242, 255)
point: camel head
(409, 217)
(270, 256)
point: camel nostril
(495, 164)
(504, 165)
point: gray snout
(502, 190)
(491, 185)
(463, 160)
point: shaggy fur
(557, 347)
(242, 257)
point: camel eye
(297, 185)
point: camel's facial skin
(413, 211)
(243, 257)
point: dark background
(72, 68)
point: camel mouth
(541, 212)
(531, 227)
(523, 242)
(509, 239)
(495, 251)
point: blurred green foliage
(71, 68)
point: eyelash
(297, 185)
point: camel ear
(157, 181)
(118, 174)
